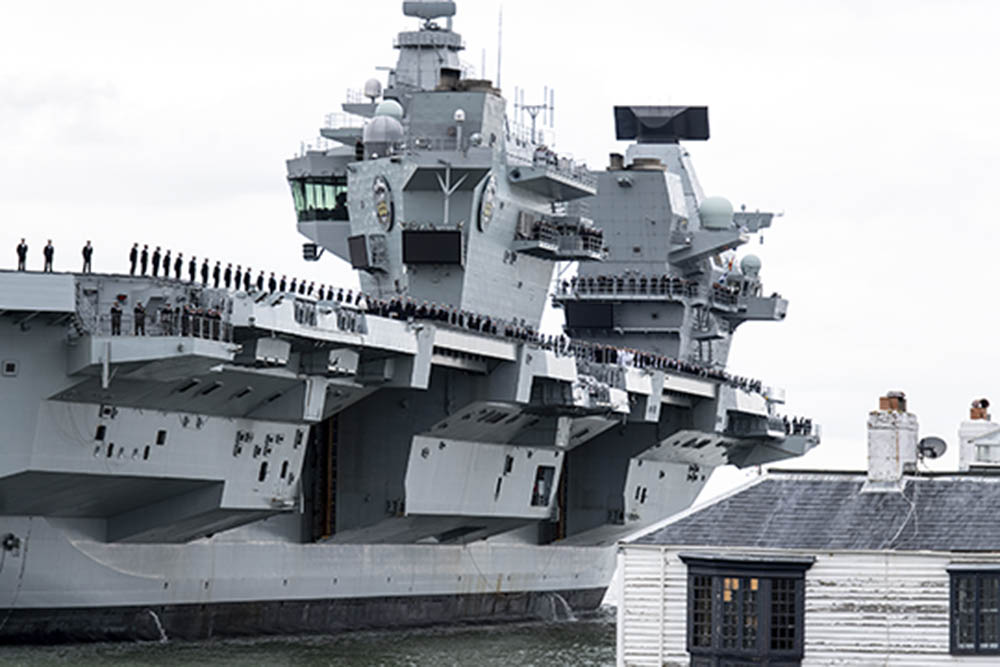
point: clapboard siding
(861, 608)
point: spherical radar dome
(750, 265)
(716, 213)
(383, 130)
(390, 108)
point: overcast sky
(871, 125)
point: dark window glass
(701, 611)
(975, 612)
(782, 614)
(749, 615)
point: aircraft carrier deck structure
(267, 461)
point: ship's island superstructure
(267, 461)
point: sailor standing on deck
(49, 252)
(227, 275)
(217, 273)
(260, 282)
(166, 264)
(246, 280)
(238, 277)
(116, 318)
(144, 259)
(133, 257)
(22, 255)
(272, 283)
(192, 268)
(178, 265)
(156, 262)
(88, 253)
(140, 319)
(204, 271)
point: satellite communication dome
(383, 130)
(373, 88)
(716, 213)
(750, 265)
(390, 108)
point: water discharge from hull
(159, 626)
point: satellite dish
(931, 447)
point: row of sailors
(147, 263)
(797, 426)
(629, 283)
(173, 321)
(407, 309)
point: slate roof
(830, 512)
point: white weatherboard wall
(861, 608)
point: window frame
(765, 571)
(977, 573)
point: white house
(888, 567)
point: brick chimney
(892, 443)
(978, 425)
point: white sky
(871, 125)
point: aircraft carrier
(246, 460)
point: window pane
(310, 195)
(701, 612)
(297, 195)
(783, 627)
(730, 611)
(965, 601)
(749, 640)
(989, 587)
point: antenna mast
(499, 43)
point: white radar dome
(390, 108)
(383, 130)
(716, 213)
(750, 265)
(373, 89)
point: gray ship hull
(61, 588)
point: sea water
(586, 641)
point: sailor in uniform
(88, 254)
(22, 255)
(49, 252)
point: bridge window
(320, 199)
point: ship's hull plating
(60, 586)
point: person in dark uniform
(283, 285)
(140, 319)
(246, 279)
(192, 268)
(167, 318)
(88, 254)
(133, 257)
(178, 265)
(293, 286)
(116, 319)
(260, 282)
(217, 273)
(238, 277)
(166, 264)
(204, 272)
(312, 286)
(302, 287)
(227, 275)
(49, 252)
(144, 259)
(157, 256)
(272, 284)
(22, 255)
